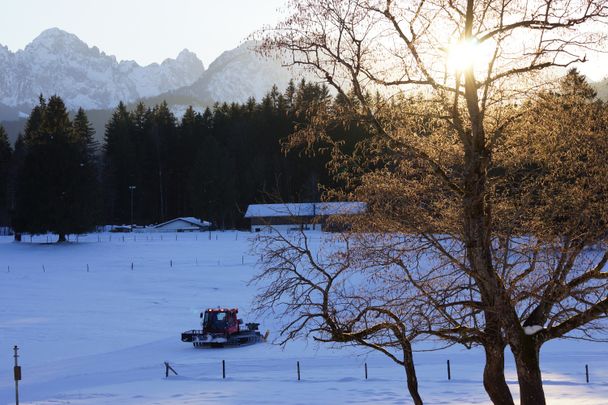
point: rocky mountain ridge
(57, 62)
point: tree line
(152, 166)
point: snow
(101, 336)
(57, 62)
(241, 73)
(188, 220)
(531, 330)
(304, 209)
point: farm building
(183, 224)
(295, 216)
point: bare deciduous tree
(336, 296)
(527, 251)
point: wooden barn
(297, 216)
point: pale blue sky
(142, 30)
(152, 30)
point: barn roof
(191, 220)
(305, 209)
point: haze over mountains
(58, 62)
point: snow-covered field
(101, 336)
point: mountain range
(58, 62)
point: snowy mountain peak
(237, 75)
(4, 52)
(56, 40)
(185, 59)
(186, 54)
(54, 35)
(58, 62)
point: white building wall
(281, 228)
(175, 226)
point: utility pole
(17, 371)
(132, 188)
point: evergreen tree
(144, 166)
(118, 165)
(5, 160)
(85, 136)
(191, 132)
(56, 181)
(164, 135)
(86, 202)
(212, 165)
(16, 168)
(575, 84)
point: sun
(463, 54)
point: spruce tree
(57, 181)
(164, 129)
(85, 136)
(16, 168)
(118, 161)
(5, 160)
(85, 186)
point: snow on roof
(191, 220)
(305, 209)
(340, 208)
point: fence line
(138, 237)
(159, 263)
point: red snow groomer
(221, 326)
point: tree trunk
(527, 362)
(494, 375)
(61, 238)
(477, 231)
(410, 373)
(17, 237)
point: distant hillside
(602, 89)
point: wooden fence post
(298, 365)
(449, 371)
(587, 373)
(169, 368)
(223, 369)
(366, 371)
